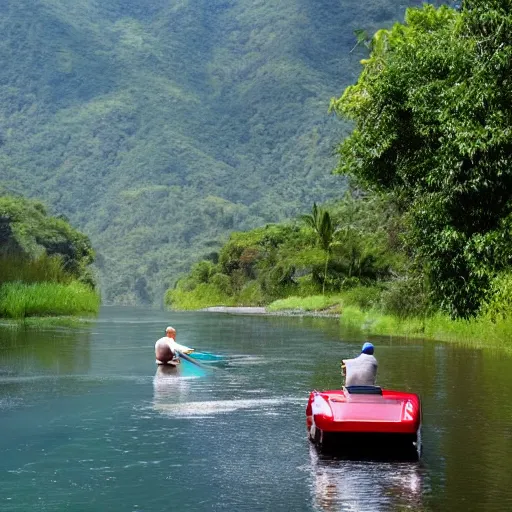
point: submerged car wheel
(311, 433)
(315, 435)
(417, 443)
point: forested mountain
(158, 126)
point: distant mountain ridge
(158, 126)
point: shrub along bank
(492, 328)
(44, 264)
(20, 300)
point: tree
(433, 116)
(320, 221)
(28, 233)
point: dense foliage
(433, 125)
(279, 260)
(36, 247)
(157, 127)
(44, 263)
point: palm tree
(320, 221)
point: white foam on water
(202, 409)
(10, 403)
(246, 360)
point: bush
(364, 297)
(222, 282)
(27, 232)
(42, 269)
(202, 271)
(250, 295)
(202, 296)
(307, 286)
(498, 305)
(405, 297)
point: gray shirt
(361, 371)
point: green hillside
(159, 126)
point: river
(89, 423)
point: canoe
(364, 418)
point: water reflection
(176, 390)
(169, 385)
(358, 486)
(57, 351)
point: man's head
(368, 348)
(170, 332)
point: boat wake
(209, 408)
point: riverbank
(19, 301)
(479, 332)
(44, 322)
(254, 310)
(316, 305)
(235, 310)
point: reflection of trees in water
(365, 485)
(470, 423)
(59, 350)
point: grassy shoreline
(43, 322)
(21, 301)
(480, 332)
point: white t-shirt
(174, 346)
(361, 371)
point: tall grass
(363, 297)
(313, 303)
(43, 322)
(202, 296)
(20, 300)
(477, 332)
(483, 331)
(42, 269)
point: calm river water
(88, 423)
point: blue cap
(368, 348)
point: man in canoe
(362, 370)
(167, 350)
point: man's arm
(343, 367)
(182, 348)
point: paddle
(191, 360)
(207, 356)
